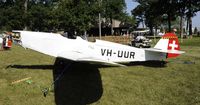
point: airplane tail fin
(169, 42)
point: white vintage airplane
(100, 52)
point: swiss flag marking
(173, 45)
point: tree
(76, 15)
(148, 11)
(51, 15)
(38, 15)
(192, 6)
(113, 9)
(181, 11)
(128, 21)
(139, 12)
(11, 16)
(153, 9)
(195, 30)
(15, 15)
(187, 8)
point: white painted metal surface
(97, 52)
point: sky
(131, 5)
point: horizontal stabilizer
(176, 51)
(165, 51)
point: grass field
(176, 83)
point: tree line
(156, 12)
(54, 15)
(80, 15)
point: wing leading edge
(78, 56)
(57, 46)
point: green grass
(178, 83)
(195, 41)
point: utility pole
(100, 1)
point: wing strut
(47, 89)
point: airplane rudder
(173, 44)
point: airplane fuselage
(114, 52)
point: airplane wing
(79, 56)
(57, 46)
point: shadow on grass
(44, 67)
(157, 64)
(80, 85)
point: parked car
(141, 42)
